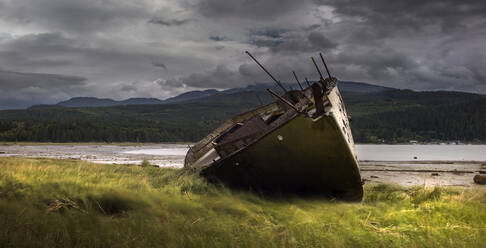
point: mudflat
(418, 172)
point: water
(172, 155)
(421, 152)
(401, 164)
(160, 152)
(382, 152)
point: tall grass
(70, 203)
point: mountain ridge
(190, 96)
(379, 114)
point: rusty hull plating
(301, 143)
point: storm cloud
(52, 50)
(20, 90)
(169, 22)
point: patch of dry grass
(70, 203)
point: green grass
(70, 203)
(34, 143)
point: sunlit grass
(69, 203)
(29, 143)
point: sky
(52, 50)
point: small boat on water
(301, 143)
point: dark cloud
(250, 9)
(73, 16)
(159, 64)
(128, 88)
(25, 50)
(379, 59)
(410, 14)
(220, 77)
(411, 44)
(170, 83)
(267, 37)
(298, 42)
(19, 80)
(248, 70)
(218, 38)
(44, 51)
(266, 42)
(269, 32)
(319, 41)
(110, 44)
(168, 22)
(25, 89)
(223, 77)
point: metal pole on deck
(324, 62)
(317, 67)
(295, 75)
(283, 100)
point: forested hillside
(378, 115)
(464, 122)
(136, 123)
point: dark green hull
(302, 156)
(306, 150)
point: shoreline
(382, 168)
(34, 143)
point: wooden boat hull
(302, 156)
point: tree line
(376, 122)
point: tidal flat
(405, 165)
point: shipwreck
(301, 143)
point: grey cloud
(27, 52)
(107, 67)
(113, 43)
(223, 77)
(128, 88)
(24, 89)
(78, 16)
(267, 37)
(251, 9)
(170, 83)
(249, 70)
(266, 42)
(375, 59)
(312, 27)
(396, 69)
(269, 32)
(410, 14)
(43, 40)
(319, 41)
(159, 64)
(220, 77)
(302, 42)
(169, 22)
(410, 44)
(19, 80)
(219, 38)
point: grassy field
(29, 143)
(70, 203)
